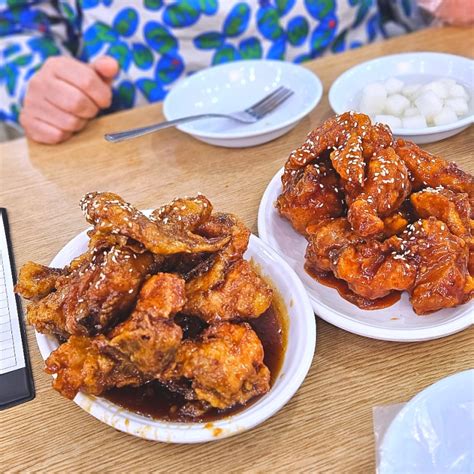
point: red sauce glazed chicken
(381, 216)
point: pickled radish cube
(447, 115)
(457, 91)
(373, 98)
(396, 104)
(411, 91)
(411, 112)
(459, 106)
(417, 121)
(393, 85)
(438, 88)
(390, 120)
(448, 82)
(429, 104)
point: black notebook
(16, 382)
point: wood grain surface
(327, 426)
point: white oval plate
(396, 323)
(297, 361)
(234, 86)
(434, 430)
(346, 90)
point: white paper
(11, 345)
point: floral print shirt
(157, 42)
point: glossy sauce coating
(156, 401)
(328, 279)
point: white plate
(396, 323)
(235, 86)
(434, 432)
(297, 361)
(346, 90)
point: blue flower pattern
(156, 42)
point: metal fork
(252, 114)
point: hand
(64, 95)
(453, 12)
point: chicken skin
(454, 209)
(185, 213)
(324, 242)
(341, 133)
(136, 351)
(94, 296)
(332, 159)
(386, 187)
(225, 365)
(442, 280)
(36, 281)
(243, 294)
(311, 195)
(373, 270)
(430, 170)
(109, 213)
(226, 287)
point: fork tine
(262, 108)
(270, 102)
(270, 96)
(273, 104)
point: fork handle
(138, 132)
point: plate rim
(416, 132)
(318, 88)
(420, 397)
(337, 318)
(172, 432)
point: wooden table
(327, 426)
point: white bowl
(396, 323)
(297, 360)
(346, 90)
(235, 86)
(434, 430)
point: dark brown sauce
(156, 401)
(328, 279)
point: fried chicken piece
(348, 161)
(47, 315)
(81, 367)
(442, 279)
(351, 139)
(226, 287)
(36, 281)
(373, 269)
(136, 351)
(433, 171)
(310, 195)
(95, 295)
(185, 213)
(225, 365)
(109, 213)
(325, 240)
(336, 133)
(386, 187)
(229, 225)
(242, 295)
(394, 224)
(215, 226)
(454, 209)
